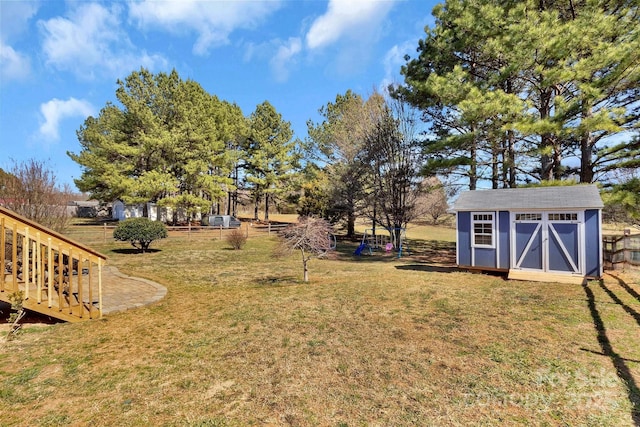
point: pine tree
(271, 156)
(165, 142)
(505, 83)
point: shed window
(528, 217)
(563, 216)
(483, 230)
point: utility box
(224, 221)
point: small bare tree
(30, 189)
(310, 236)
(433, 200)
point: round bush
(140, 232)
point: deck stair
(57, 276)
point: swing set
(395, 240)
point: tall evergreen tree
(165, 142)
(338, 143)
(271, 156)
(504, 80)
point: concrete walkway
(121, 292)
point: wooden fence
(621, 251)
(94, 234)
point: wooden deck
(55, 275)
(541, 276)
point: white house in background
(122, 211)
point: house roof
(564, 197)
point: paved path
(121, 292)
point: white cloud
(355, 19)
(282, 61)
(91, 41)
(14, 20)
(394, 60)
(212, 20)
(15, 16)
(13, 65)
(56, 110)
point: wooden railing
(55, 275)
(619, 251)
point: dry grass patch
(240, 340)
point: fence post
(104, 233)
(220, 231)
(247, 230)
(269, 229)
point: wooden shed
(543, 234)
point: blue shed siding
(504, 246)
(464, 238)
(484, 257)
(592, 242)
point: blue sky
(59, 60)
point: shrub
(236, 238)
(140, 232)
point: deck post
(3, 255)
(25, 262)
(39, 268)
(14, 254)
(49, 273)
(100, 286)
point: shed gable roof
(565, 197)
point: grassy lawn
(375, 340)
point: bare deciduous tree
(310, 236)
(432, 202)
(30, 189)
(394, 154)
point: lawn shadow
(434, 252)
(31, 317)
(619, 363)
(278, 281)
(626, 287)
(129, 251)
(430, 268)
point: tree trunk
(255, 208)
(266, 207)
(548, 150)
(586, 148)
(305, 269)
(495, 166)
(351, 224)
(473, 167)
(306, 272)
(511, 156)
(373, 223)
(557, 159)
